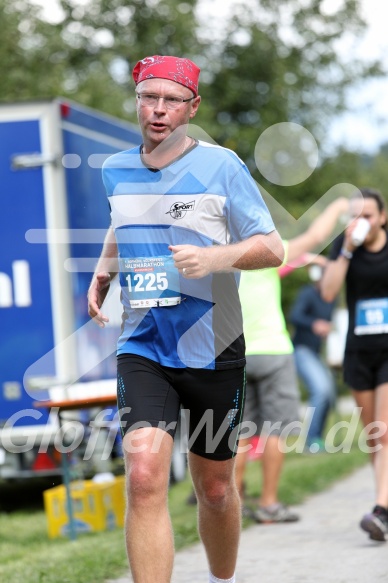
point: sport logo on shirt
(179, 209)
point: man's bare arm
(257, 252)
(106, 269)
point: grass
(27, 555)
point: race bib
(153, 282)
(371, 317)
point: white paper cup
(360, 231)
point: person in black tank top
(364, 270)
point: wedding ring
(184, 270)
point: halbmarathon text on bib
(153, 282)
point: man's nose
(160, 105)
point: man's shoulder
(121, 159)
(217, 151)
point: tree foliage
(276, 59)
(280, 63)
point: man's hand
(321, 328)
(192, 261)
(96, 295)
(256, 252)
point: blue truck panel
(110, 127)
(26, 326)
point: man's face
(158, 122)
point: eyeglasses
(151, 99)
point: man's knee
(145, 481)
(147, 471)
(216, 492)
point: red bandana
(181, 71)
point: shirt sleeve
(248, 213)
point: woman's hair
(374, 195)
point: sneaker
(279, 513)
(376, 523)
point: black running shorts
(365, 370)
(149, 394)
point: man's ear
(194, 106)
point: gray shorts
(272, 393)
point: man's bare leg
(148, 530)
(272, 464)
(219, 512)
(269, 509)
(272, 460)
(241, 463)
